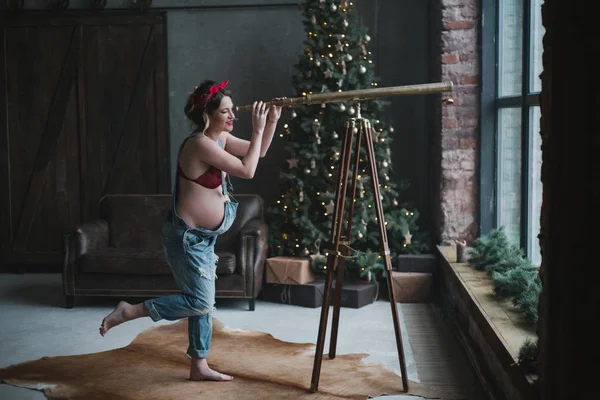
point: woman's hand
(275, 111)
(259, 117)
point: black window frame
(491, 104)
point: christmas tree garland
(513, 277)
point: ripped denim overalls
(191, 255)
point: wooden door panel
(30, 93)
(133, 169)
(84, 101)
(58, 207)
(120, 113)
(107, 104)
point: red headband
(206, 97)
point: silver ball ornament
(333, 7)
(348, 57)
(362, 69)
(342, 107)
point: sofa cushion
(141, 262)
(125, 261)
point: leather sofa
(120, 254)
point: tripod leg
(337, 302)
(333, 258)
(340, 273)
(385, 252)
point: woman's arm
(239, 147)
(211, 153)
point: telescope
(360, 95)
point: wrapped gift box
(289, 270)
(409, 287)
(357, 294)
(306, 295)
(415, 263)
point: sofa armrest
(253, 253)
(91, 235)
(255, 227)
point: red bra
(210, 179)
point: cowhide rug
(155, 366)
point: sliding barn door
(83, 108)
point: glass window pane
(537, 34)
(509, 172)
(535, 186)
(510, 48)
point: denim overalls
(191, 255)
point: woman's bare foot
(122, 313)
(200, 371)
(114, 318)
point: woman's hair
(196, 111)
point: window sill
(501, 324)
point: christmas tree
(336, 58)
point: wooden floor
(441, 364)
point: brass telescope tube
(359, 95)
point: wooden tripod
(362, 127)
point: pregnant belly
(201, 208)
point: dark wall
(255, 44)
(400, 33)
(570, 133)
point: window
(511, 189)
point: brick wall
(457, 150)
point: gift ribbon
(286, 294)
